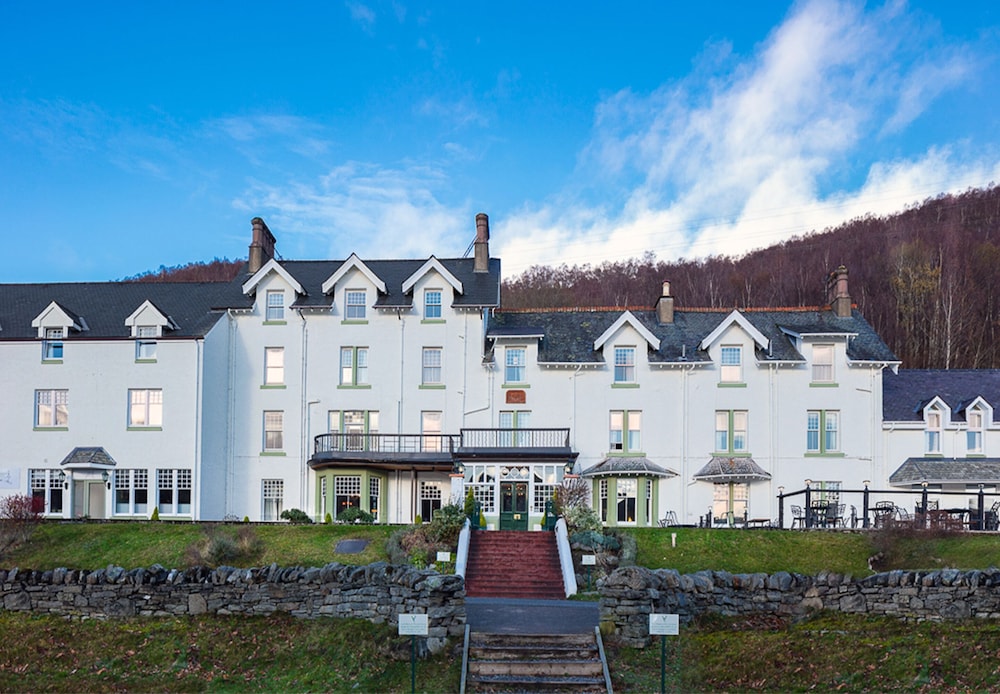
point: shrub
(354, 514)
(581, 517)
(222, 545)
(418, 520)
(328, 519)
(572, 492)
(446, 524)
(470, 503)
(19, 514)
(156, 514)
(294, 515)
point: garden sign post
(665, 625)
(413, 625)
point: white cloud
(362, 14)
(723, 164)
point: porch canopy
(722, 470)
(628, 465)
(915, 471)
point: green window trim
(274, 386)
(431, 386)
(626, 454)
(143, 428)
(145, 361)
(824, 384)
(624, 385)
(273, 454)
(432, 321)
(353, 321)
(50, 429)
(518, 386)
(833, 454)
(275, 322)
(360, 386)
(52, 361)
(735, 384)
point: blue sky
(134, 135)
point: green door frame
(514, 505)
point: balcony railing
(384, 443)
(514, 438)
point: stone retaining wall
(629, 595)
(377, 592)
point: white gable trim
(270, 266)
(433, 264)
(161, 320)
(735, 317)
(631, 320)
(55, 316)
(353, 263)
(937, 403)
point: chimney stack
(482, 244)
(665, 305)
(841, 300)
(262, 245)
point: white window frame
(624, 364)
(274, 310)
(49, 486)
(545, 479)
(822, 363)
(975, 419)
(355, 304)
(145, 408)
(173, 491)
(52, 408)
(515, 364)
(374, 496)
(482, 480)
(934, 427)
(145, 343)
(52, 345)
(433, 299)
(272, 499)
(274, 431)
(274, 366)
(133, 485)
(432, 366)
(627, 499)
(731, 364)
(431, 439)
(625, 431)
(347, 487)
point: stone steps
(535, 662)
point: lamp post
(781, 506)
(864, 510)
(809, 515)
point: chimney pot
(261, 245)
(481, 262)
(665, 305)
(841, 301)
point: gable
(353, 263)
(627, 318)
(56, 316)
(433, 265)
(738, 319)
(148, 314)
(272, 267)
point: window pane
(624, 364)
(355, 304)
(432, 303)
(831, 431)
(346, 365)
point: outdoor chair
(798, 516)
(669, 519)
(835, 515)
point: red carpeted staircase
(514, 564)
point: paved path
(509, 616)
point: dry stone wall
(377, 592)
(629, 595)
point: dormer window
(624, 364)
(52, 347)
(932, 434)
(731, 361)
(275, 310)
(145, 343)
(822, 364)
(432, 304)
(355, 304)
(974, 432)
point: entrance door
(513, 505)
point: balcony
(391, 451)
(514, 444)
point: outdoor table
(880, 514)
(817, 513)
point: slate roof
(196, 306)
(734, 469)
(937, 470)
(87, 456)
(628, 465)
(569, 334)
(905, 394)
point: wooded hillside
(927, 279)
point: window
(822, 364)
(627, 494)
(346, 493)
(932, 435)
(545, 480)
(132, 492)
(481, 479)
(273, 430)
(731, 431)
(624, 364)
(353, 366)
(275, 310)
(272, 499)
(827, 491)
(322, 497)
(729, 501)
(732, 364)
(173, 491)
(145, 344)
(145, 407)
(47, 490)
(822, 427)
(374, 493)
(510, 421)
(603, 491)
(432, 304)
(430, 428)
(274, 366)
(430, 500)
(52, 346)
(51, 409)
(514, 363)
(355, 304)
(974, 433)
(431, 373)
(625, 429)
(357, 427)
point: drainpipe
(305, 414)
(196, 513)
(231, 417)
